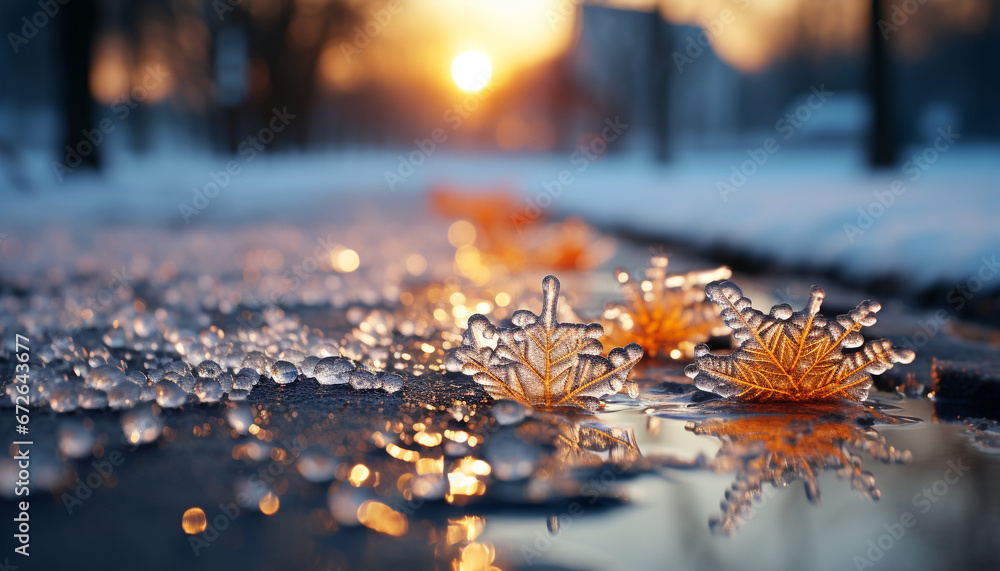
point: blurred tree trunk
(659, 58)
(79, 30)
(882, 144)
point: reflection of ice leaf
(664, 313)
(780, 447)
(541, 362)
(786, 356)
(593, 444)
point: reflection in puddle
(779, 445)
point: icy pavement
(265, 387)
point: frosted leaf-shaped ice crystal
(667, 314)
(786, 356)
(543, 363)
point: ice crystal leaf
(779, 447)
(667, 314)
(512, 233)
(541, 362)
(786, 356)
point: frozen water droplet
(309, 366)
(333, 370)
(246, 379)
(105, 376)
(239, 417)
(147, 393)
(183, 380)
(391, 382)
(169, 395)
(238, 395)
(292, 356)
(284, 372)
(209, 369)
(452, 364)
(226, 381)
(258, 362)
(65, 397)
(124, 395)
(361, 379)
(137, 377)
(208, 390)
(316, 466)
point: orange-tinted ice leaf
(786, 356)
(667, 314)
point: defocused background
(759, 127)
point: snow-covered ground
(932, 220)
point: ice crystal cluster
(665, 313)
(793, 356)
(541, 362)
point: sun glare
(471, 71)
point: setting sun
(471, 71)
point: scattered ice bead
(137, 377)
(183, 380)
(147, 393)
(225, 381)
(333, 370)
(169, 395)
(284, 372)
(239, 417)
(361, 379)
(391, 382)
(257, 361)
(316, 466)
(246, 379)
(309, 366)
(509, 412)
(452, 364)
(208, 390)
(64, 397)
(209, 369)
(292, 356)
(124, 395)
(75, 441)
(105, 376)
(141, 426)
(238, 394)
(93, 398)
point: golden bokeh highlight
(381, 518)
(194, 521)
